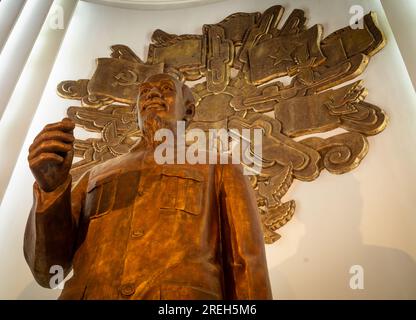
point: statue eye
(166, 88)
(144, 91)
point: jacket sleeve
(51, 229)
(246, 275)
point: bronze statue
(133, 229)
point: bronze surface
(135, 229)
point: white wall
(27, 74)
(402, 18)
(365, 217)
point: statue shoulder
(117, 164)
(229, 171)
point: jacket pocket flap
(102, 178)
(172, 171)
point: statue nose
(154, 93)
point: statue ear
(189, 103)
(189, 112)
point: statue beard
(150, 126)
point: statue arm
(246, 275)
(51, 229)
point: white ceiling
(152, 4)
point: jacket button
(127, 289)
(137, 234)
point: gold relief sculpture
(340, 153)
(119, 130)
(273, 212)
(220, 53)
(236, 26)
(241, 59)
(125, 77)
(73, 89)
(285, 55)
(260, 31)
(186, 53)
(342, 107)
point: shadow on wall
(42, 293)
(331, 246)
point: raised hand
(51, 153)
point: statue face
(162, 96)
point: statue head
(163, 100)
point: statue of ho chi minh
(134, 229)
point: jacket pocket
(181, 189)
(101, 195)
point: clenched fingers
(66, 125)
(49, 146)
(45, 158)
(54, 136)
